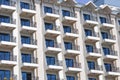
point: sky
(83, 1)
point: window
(65, 13)
(4, 55)
(51, 77)
(89, 48)
(5, 74)
(69, 62)
(47, 9)
(68, 45)
(5, 19)
(26, 76)
(50, 60)
(49, 43)
(5, 2)
(106, 51)
(103, 20)
(67, 29)
(88, 32)
(48, 26)
(4, 37)
(24, 5)
(119, 22)
(26, 58)
(25, 39)
(108, 67)
(86, 16)
(92, 79)
(25, 22)
(70, 78)
(91, 65)
(104, 35)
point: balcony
(56, 67)
(112, 55)
(110, 39)
(8, 26)
(97, 70)
(9, 62)
(72, 18)
(53, 49)
(74, 51)
(76, 68)
(29, 29)
(7, 8)
(32, 64)
(52, 15)
(29, 46)
(107, 25)
(12, 77)
(71, 35)
(115, 71)
(54, 32)
(95, 53)
(92, 38)
(11, 43)
(92, 22)
(28, 12)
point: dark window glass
(69, 62)
(119, 22)
(92, 79)
(103, 20)
(25, 22)
(68, 45)
(91, 65)
(70, 78)
(49, 43)
(104, 35)
(108, 67)
(48, 26)
(4, 37)
(67, 29)
(5, 2)
(4, 74)
(25, 39)
(5, 19)
(50, 60)
(26, 58)
(47, 9)
(88, 32)
(86, 16)
(26, 76)
(4, 55)
(106, 51)
(51, 77)
(89, 48)
(65, 13)
(24, 5)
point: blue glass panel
(104, 35)
(67, 29)
(119, 22)
(89, 48)
(51, 77)
(26, 76)
(103, 20)
(91, 65)
(47, 9)
(68, 45)
(49, 43)
(88, 32)
(25, 22)
(25, 39)
(4, 37)
(4, 74)
(5, 19)
(70, 78)
(24, 5)
(69, 62)
(26, 58)
(92, 79)
(108, 67)
(48, 26)
(86, 16)
(65, 13)
(106, 51)
(50, 60)
(5, 2)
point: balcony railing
(11, 58)
(110, 37)
(10, 3)
(97, 67)
(94, 34)
(35, 78)
(56, 28)
(32, 42)
(13, 77)
(57, 63)
(12, 39)
(31, 7)
(75, 31)
(108, 20)
(92, 18)
(54, 11)
(112, 52)
(74, 47)
(95, 50)
(12, 21)
(75, 65)
(114, 69)
(72, 14)
(32, 24)
(55, 45)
